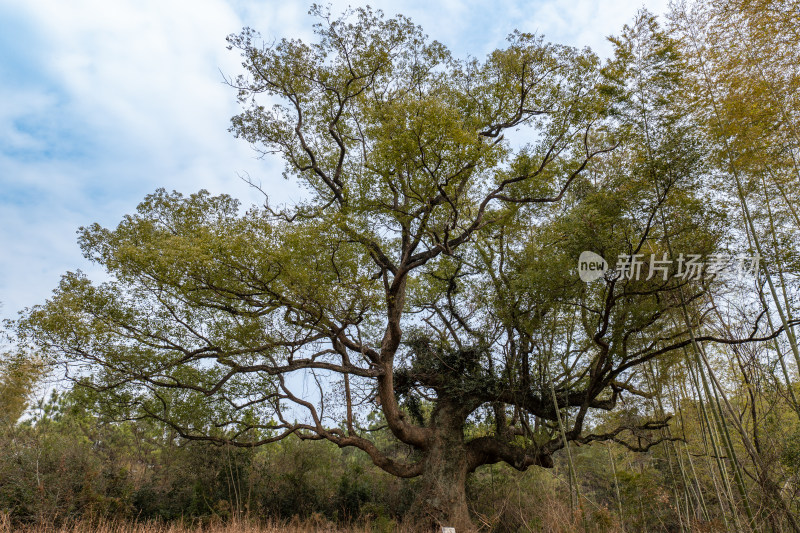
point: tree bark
(441, 497)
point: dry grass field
(311, 525)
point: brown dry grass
(310, 525)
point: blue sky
(103, 101)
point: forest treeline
(702, 437)
(64, 464)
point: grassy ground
(311, 525)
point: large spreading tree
(428, 275)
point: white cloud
(586, 22)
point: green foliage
(19, 374)
(66, 463)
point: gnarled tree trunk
(441, 497)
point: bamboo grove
(736, 407)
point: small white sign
(448, 529)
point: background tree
(19, 374)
